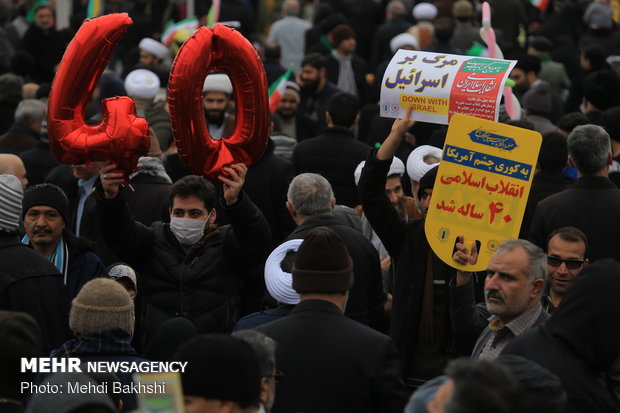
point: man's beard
(401, 208)
(286, 115)
(310, 86)
(215, 117)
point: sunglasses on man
(571, 264)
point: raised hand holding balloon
(121, 137)
(220, 49)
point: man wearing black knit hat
(45, 212)
(222, 375)
(329, 362)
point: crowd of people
(304, 282)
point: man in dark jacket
(190, 268)
(311, 202)
(591, 204)
(316, 90)
(29, 282)
(335, 153)
(344, 68)
(331, 363)
(45, 211)
(420, 324)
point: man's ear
(570, 162)
(333, 203)
(537, 285)
(610, 159)
(213, 216)
(291, 209)
(264, 390)
(328, 119)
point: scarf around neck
(346, 77)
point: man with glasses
(566, 257)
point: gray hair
(310, 194)
(290, 8)
(29, 109)
(589, 147)
(537, 267)
(263, 346)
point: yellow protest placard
(482, 187)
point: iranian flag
(214, 14)
(190, 24)
(277, 88)
(540, 4)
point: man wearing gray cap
(28, 281)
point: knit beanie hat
(11, 194)
(428, 180)
(48, 195)
(120, 270)
(102, 304)
(322, 264)
(292, 89)
(220, 367)
(538, 99)
(341, 33)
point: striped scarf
(346, 77)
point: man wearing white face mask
(191, 267)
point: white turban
(416, 167)
(397, 167)
(142, 84)
(402, 40)
(424, 11)
(280, 283)
(154, 47)
(218, 82)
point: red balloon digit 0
(220, 49)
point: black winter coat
(200, 284)
(30, 283)
(334, 154)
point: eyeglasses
(571, 264)
(277, 375)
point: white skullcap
(218, 82)
(154, 47)
(402, 40)
(397, 167)
(280, 283)
(416, 167)
(425, 11)
(142, 84)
